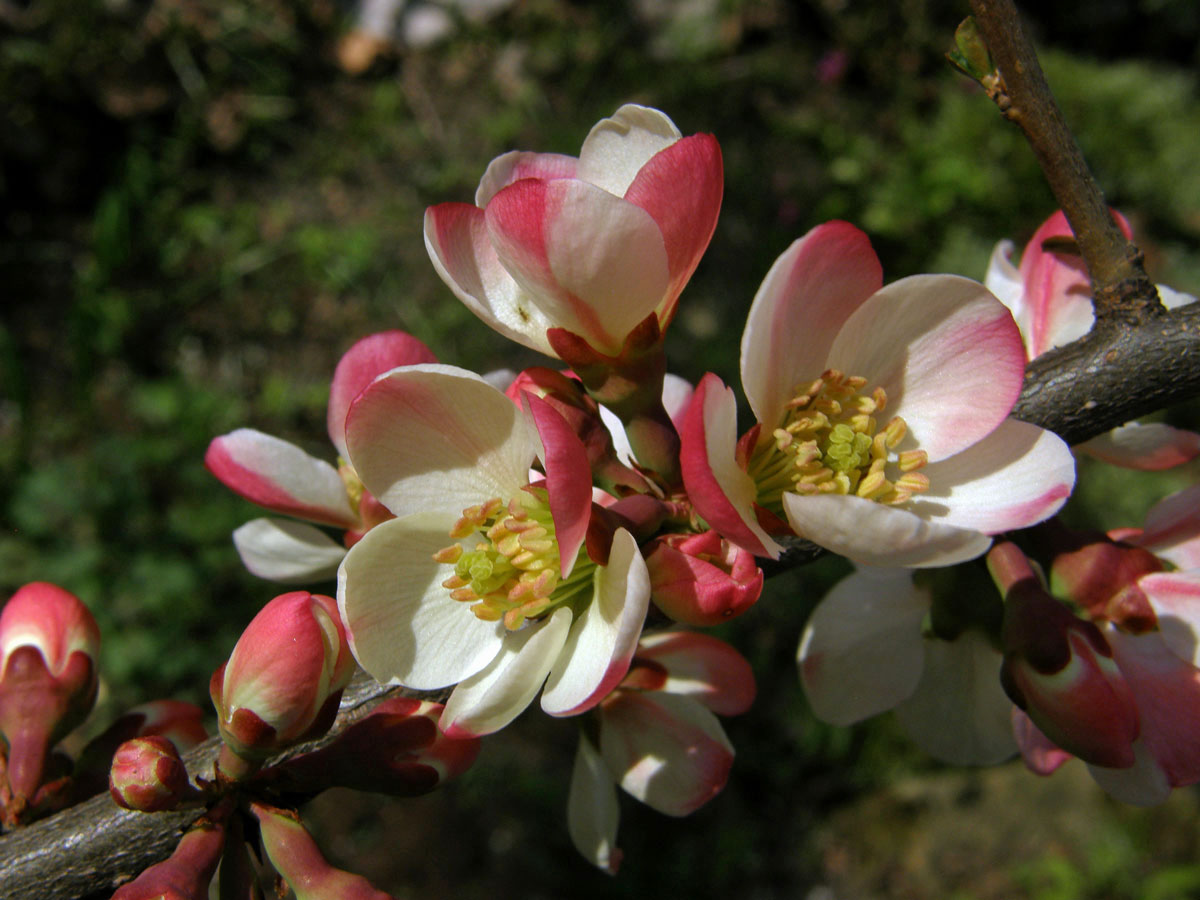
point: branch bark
(1121, 290)
(90, 849)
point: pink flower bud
(299, 861)
(49, 643)
(148, 775)
(283, 681)
(1060, 670)
(398, 750)
(702, 579)
(187, 872)
(1101, 576)
(180, 722)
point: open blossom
(865, 651)
(283, 478)
(591, 245)
(659, 737)
(1050, 296)
(483, 580)
(1148, 616)
(882, 416)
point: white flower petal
(946, 352)
(493, 697)
(1149, 446)
(1142, 784)
(437, 437)
(278, 475)
(286, 551)
(617, 147)
(403, 626)
(604, 636)
(959, 713)
(1175, 598)
(1015, 477)
(592, 812)
(670, 752)
(862, 650)
(878, 535)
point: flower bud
(148, 775)
(188, 871)
(299, 861)
(283, 681)
(1101, 576)
(397, 750)
(180, 722)
(702, 579)
(1060, 670)
(49, 643)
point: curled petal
(1166, 690)
(681, 187)
(493, 697)
(568, 478)
(1173, 529)
(280, 476)
(592, 812)
(1042, 756)
(519, 164)
(595, 264)
(1148, 447)
(668, 751)
(721, 490)
(862, 651)
(604, 636)
(808, 294)
(1015, 477)
(701, 667)
(1175, 598)
(461, 252)
(437, 437)
(286, 551)
(877, 535)
(617, 148)
(369, 357)
(946, 352)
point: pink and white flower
(660, 738)
(591, 245)
(865, 650)
(1050, 296)
(483, 579)
(280, 476)
(1149, 617)
(825, 351)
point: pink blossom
(591, 245)
(281, 477)
(882, 416)
(483, 579)
(1050, 296)
(659, 738)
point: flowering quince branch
(895, 424)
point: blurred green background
(201, 209)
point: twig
(1122, 293)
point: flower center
(829, 442)
(512, 574)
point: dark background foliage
(200, 211)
